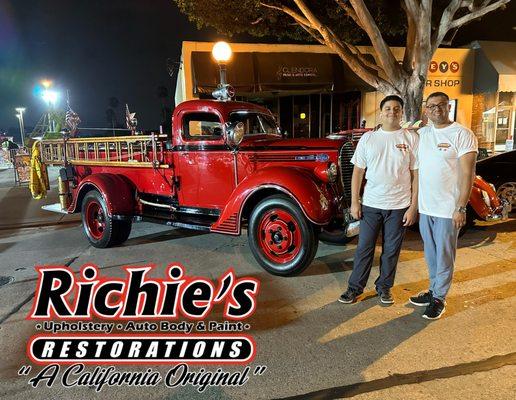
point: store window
(493, 119)
(505, 117)
(326, 111)
(285, 115)
(301, 116)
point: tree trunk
(412, 94)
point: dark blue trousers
(390, 222)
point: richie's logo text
(91, 319)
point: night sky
(98, 49)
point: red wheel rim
(279, 236)
(95, 220)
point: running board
(176, 224)
(54, 208)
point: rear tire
(281, 238)
(122, 230)
(99, 227)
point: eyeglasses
(441, 105)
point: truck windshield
(255, 123)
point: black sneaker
(435, 309)
(422, 299)
(349, 296)
(386, 296)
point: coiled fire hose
(39, 183)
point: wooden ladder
(122, 151)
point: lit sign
(443, 67)
(442, 82)
(295, 72)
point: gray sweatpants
(440, 242)
(393, 231)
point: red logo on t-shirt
(402, 146)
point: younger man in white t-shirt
(387, 158)
(447, 155)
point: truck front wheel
(99, 227)
(282, 240)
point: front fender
(313, 198)
(118, 193)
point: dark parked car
(500, 170)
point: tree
(424, 25)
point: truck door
(204, 162)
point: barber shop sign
(443, 67)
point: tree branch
(314, 34)
(444, 23)
(363, 73)
(299, 18)
(477, 14)
(449, 41)
(353, 60)
(470, 5)
(412, 7)
(355, 53)
(360, 65)
(408, 56)
(310, 21)
(350, 12)
(423, 44)
(310, 16)
(363, 59)
(386, 58)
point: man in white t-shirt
(387, 159)
(447, 155)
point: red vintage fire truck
(224, 167)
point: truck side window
(202, 126)
(255, 124)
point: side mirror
(235, 134)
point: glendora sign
(293, 72)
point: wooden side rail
(122, 151)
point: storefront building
(313, 93)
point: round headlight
(236, 134)
(332, 172)
(326, 172)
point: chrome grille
(346, 169)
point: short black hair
(391, 97)
(438, 94)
